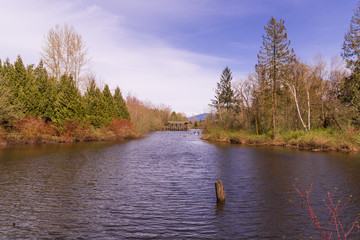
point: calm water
(162, 187)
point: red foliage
(122, 128)
(76, 131)
(2, 136)
(32, 129)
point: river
(162, 187)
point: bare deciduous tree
(64, 52)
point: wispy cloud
(138, 62)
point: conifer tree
(351, 45)
(121, 109)
(7, 70)
(275, 58)
(8, 110)
(24, 90)
(173, 116)
(224, 95)
(95, 106)
(350, 89)
(29, 93)
(109, 103)
(47, 90)
(18, 77)
(68, 104)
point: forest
(57, 100)
(289, 102)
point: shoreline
(314, 145)
(58, 141)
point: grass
(347, 140)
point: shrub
(34, 130)
(2, 136)
(122, 128)
(334, 226)
(74, 130)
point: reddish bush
(2, 136)
(122, 128)
(33, 130)
(76, 131)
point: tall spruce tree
(351, 45)
(350, 89)
(109, 103)
(96, 109)
(47, 91)
(8, 110)
(275, 59)
(224, 94)
(68, 104)
(121, 108)
(173, 116)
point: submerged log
(220, 192)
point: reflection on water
(162, 186)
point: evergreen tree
(121, 109)
(47, 90)
(224, 95)
(29, 93)
(109, 102)
(18, 78)
(351, 45)
(350, 89)
(275, 59)
(68, 104)
(96, 111)
(173, 116)
(8, 110)
(24, 90)
(7, 70)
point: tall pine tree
(224, 95)
(350, 89)
(68, 104)
(109, 103)
(121, 109)
(96, 109)
(275, 59)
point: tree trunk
(308, 104)
(293, 92)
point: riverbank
(317, 140)
(34, 130)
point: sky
(173, 52)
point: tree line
(30, 90)
(59, 98)
(59, 92)
(285, 93)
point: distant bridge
(177, 126)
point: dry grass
(347, 140)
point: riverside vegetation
(291, 103)
(58, 100)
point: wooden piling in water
(220, 192)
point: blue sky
(173, 51)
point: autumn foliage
(122, 128)
(32, 130)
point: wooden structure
(177, 126)
(220, 192)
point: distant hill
(199, 117)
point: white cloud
(139, 63)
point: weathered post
(220, 192)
